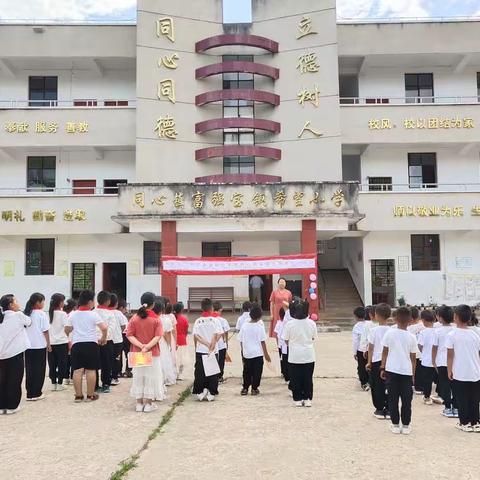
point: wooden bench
(224, 295)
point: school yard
(235, 437)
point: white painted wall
(78, 249)
(388, 82)
(352, 258)
(74, 84)
(422, 286)
(392, 161)
(71, 165)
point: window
(238, 80)
(83, 278)
(40, 256)
(41, 173)
(238, 164)
(380, 184)
(478, 85)
(419, 87)
(42, 91)
(152, 254)
(84, 187)
(425, 252)
(216, 249)
(422, 170)
(110, 187)
(238, 137)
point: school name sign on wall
(224, 200)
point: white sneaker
(203, 395)
(11, 412)
(115, 381)
(3, 412)
(210, 397)
(139, 408)
(428, 401)
(149, 407)
(467, 428)
(298, 404)
(406, 429)
(395, 429)
(307, 403)
(60, 388)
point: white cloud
(62, 9)
(381, 8)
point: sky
(115, 10)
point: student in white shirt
(244, 317)
(83, 324)
(36, 355)
(117, 338)
(358, 351)
(370, 323)
(375, 348)
(415, 327)
(425, 344)
(252, 337)
(282, 346)
(58, 356)
(300, 334)
(169, 371)
(106, 350)
(439, 361)
(223, 340)
(13, 343)
(206, 332)
(398, 368)
(463, 363)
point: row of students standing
(441, 346)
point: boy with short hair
(358, 350)
(415, 327)
(375, 346)
(425, 345)
(223, 340)
(252, 338)
(282, 346)
(106, 350)
(398, 368)
(83, 324)
(117, 338)
(245, 316)
(439, 361)
(463, 363)
(206, 332)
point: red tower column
(169, 248)
(309, 246)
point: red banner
(284, 264)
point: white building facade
(371, 130)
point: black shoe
(379, 414)
(129, 374)
(255, 392)
(386, 414)
(244, 392)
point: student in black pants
(12, 348)
(106, 351)
(252, 338)
(463, 363)
(398, 369)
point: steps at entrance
(341, 298)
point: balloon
(311, 290)
(313, 277)
(313, 296)
(314, 317)
(313, 285)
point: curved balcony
(236, 39)
(237, 122)
(238, 150)
(260, 96)
(237, 66)
(239, 178)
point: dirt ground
(234, 437)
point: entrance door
(83, 278)
(383, 281)
(84, 187)
(262, 295)
(115, 278)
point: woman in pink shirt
(144, 331)
(280, 298)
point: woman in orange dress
(280, 298)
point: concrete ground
(237, 437)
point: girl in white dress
(173, 342)
(169, 373)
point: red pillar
(169, 248)
(309, 245)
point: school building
(295, 133)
